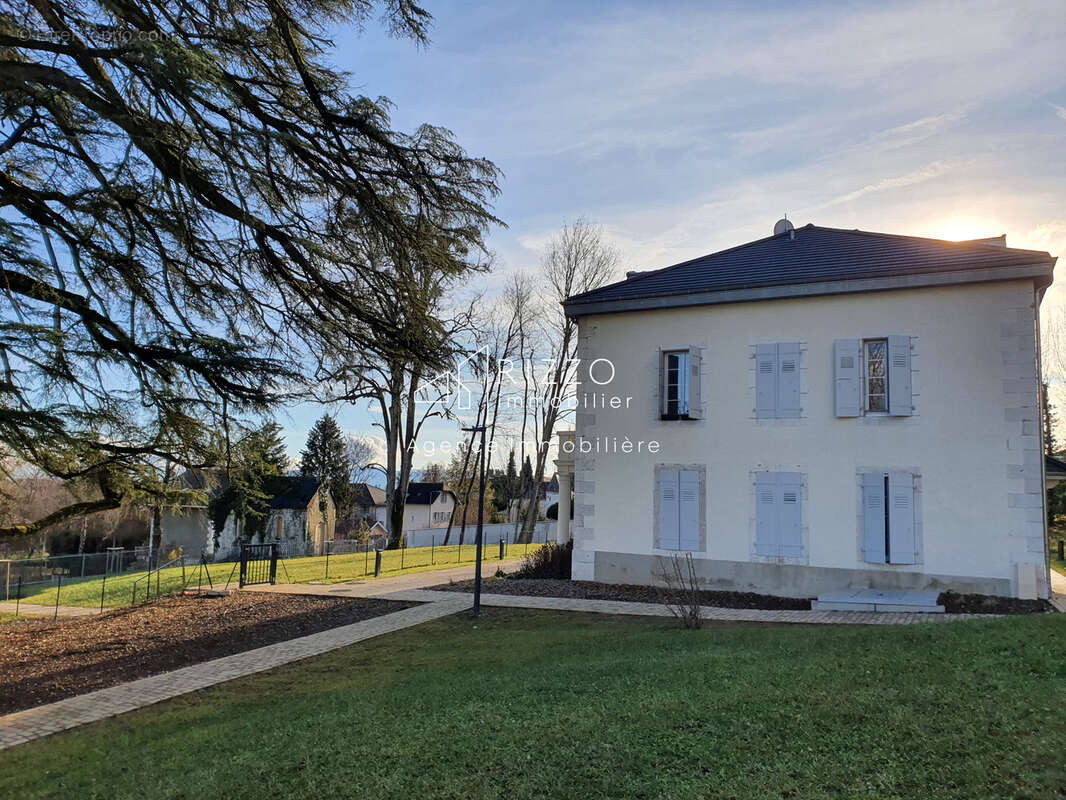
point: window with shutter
(779, 514)
(694, 400)
(900, 399)
(766, 514)
(873, 376)
(765, 381)
(689, 509)
(888, 518)
(788, 382)
(669, 511)
(790, 515)
(680, 510)
(847, 390)
(777, 380)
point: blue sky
(683, 128)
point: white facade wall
(973, 440)
(416, 517)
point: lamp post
(480, 519)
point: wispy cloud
(926, 173)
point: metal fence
(126, 577)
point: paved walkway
(32, 610)
(1058, 591)
(23, 726)
(376, 587)
(712, 613)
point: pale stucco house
(428, 505)
(818, 410)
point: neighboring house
(187, 528)
(818, 410)
(428, 505)
(547, 495)
(300, 510)
(369, 502)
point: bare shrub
(681, 590)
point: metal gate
(259, 563)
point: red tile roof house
(817, 411)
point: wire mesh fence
(127, 577)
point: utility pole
(480, 519)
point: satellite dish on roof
(783, 226)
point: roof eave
(1041, 272)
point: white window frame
(865, 375)
(682, 384)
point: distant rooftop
(811, 261)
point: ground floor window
(779, 514)
(679, 508)
(888, 518)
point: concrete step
(923, 601)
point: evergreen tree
(327, 458)
(525, 481)
(175, 175)
(253, 465)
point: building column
(565, 471)
(562, 533)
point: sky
(683, 128)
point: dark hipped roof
(289, 492)
(811, 255)
(363, 494)
(1054, 467)
(423, 494)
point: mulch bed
(988, 604)
(588, 590)
(41, 662)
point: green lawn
(538, 704)
(119, 591)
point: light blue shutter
(847, 388)
(901, 542)
(790, 514)
(900, 403)
(695, 401)
(669, 534)
(765, 381)
(788, 380)
(873, 517)
(689, 509)
(766, 515)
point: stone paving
(34, 610)
(33, 723)
(376, 587)
(712, 613)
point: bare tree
(576, 260)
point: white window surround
(919, 530)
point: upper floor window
(777, 380)
(875, 379)
(872, 376)
(679, 382)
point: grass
(119, 591)
(525, 704)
